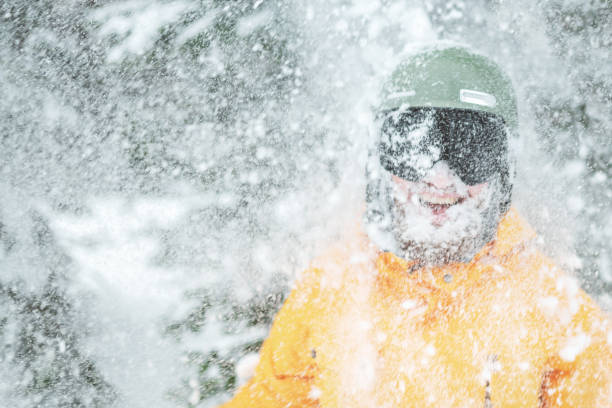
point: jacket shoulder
(556, 293)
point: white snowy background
(168, 166)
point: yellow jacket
(363, 328)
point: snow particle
(574, 346)
(315, 393)
(430, 350)
(409, 304)
(524, 366)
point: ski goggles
(474, 144)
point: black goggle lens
(473, 143)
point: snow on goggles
(473, 143)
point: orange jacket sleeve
(581, 374)
(285, 373)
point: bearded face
(435, 198)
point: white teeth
(433, 199)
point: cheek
(402, 186)
(474, 191)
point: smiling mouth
(439, 204)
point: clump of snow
(248, 24)
(409, 304)
(315, 393)
(197, 27)
(549, 304)
(245, 369)
(138, 22)
(114, 245)
(574, 346)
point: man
(440, 299)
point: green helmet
(451, 77)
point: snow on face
(440, 219)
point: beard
(407, 228)
(469, 226)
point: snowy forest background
(168, 166)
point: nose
(440, 176)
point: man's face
(444, 177)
